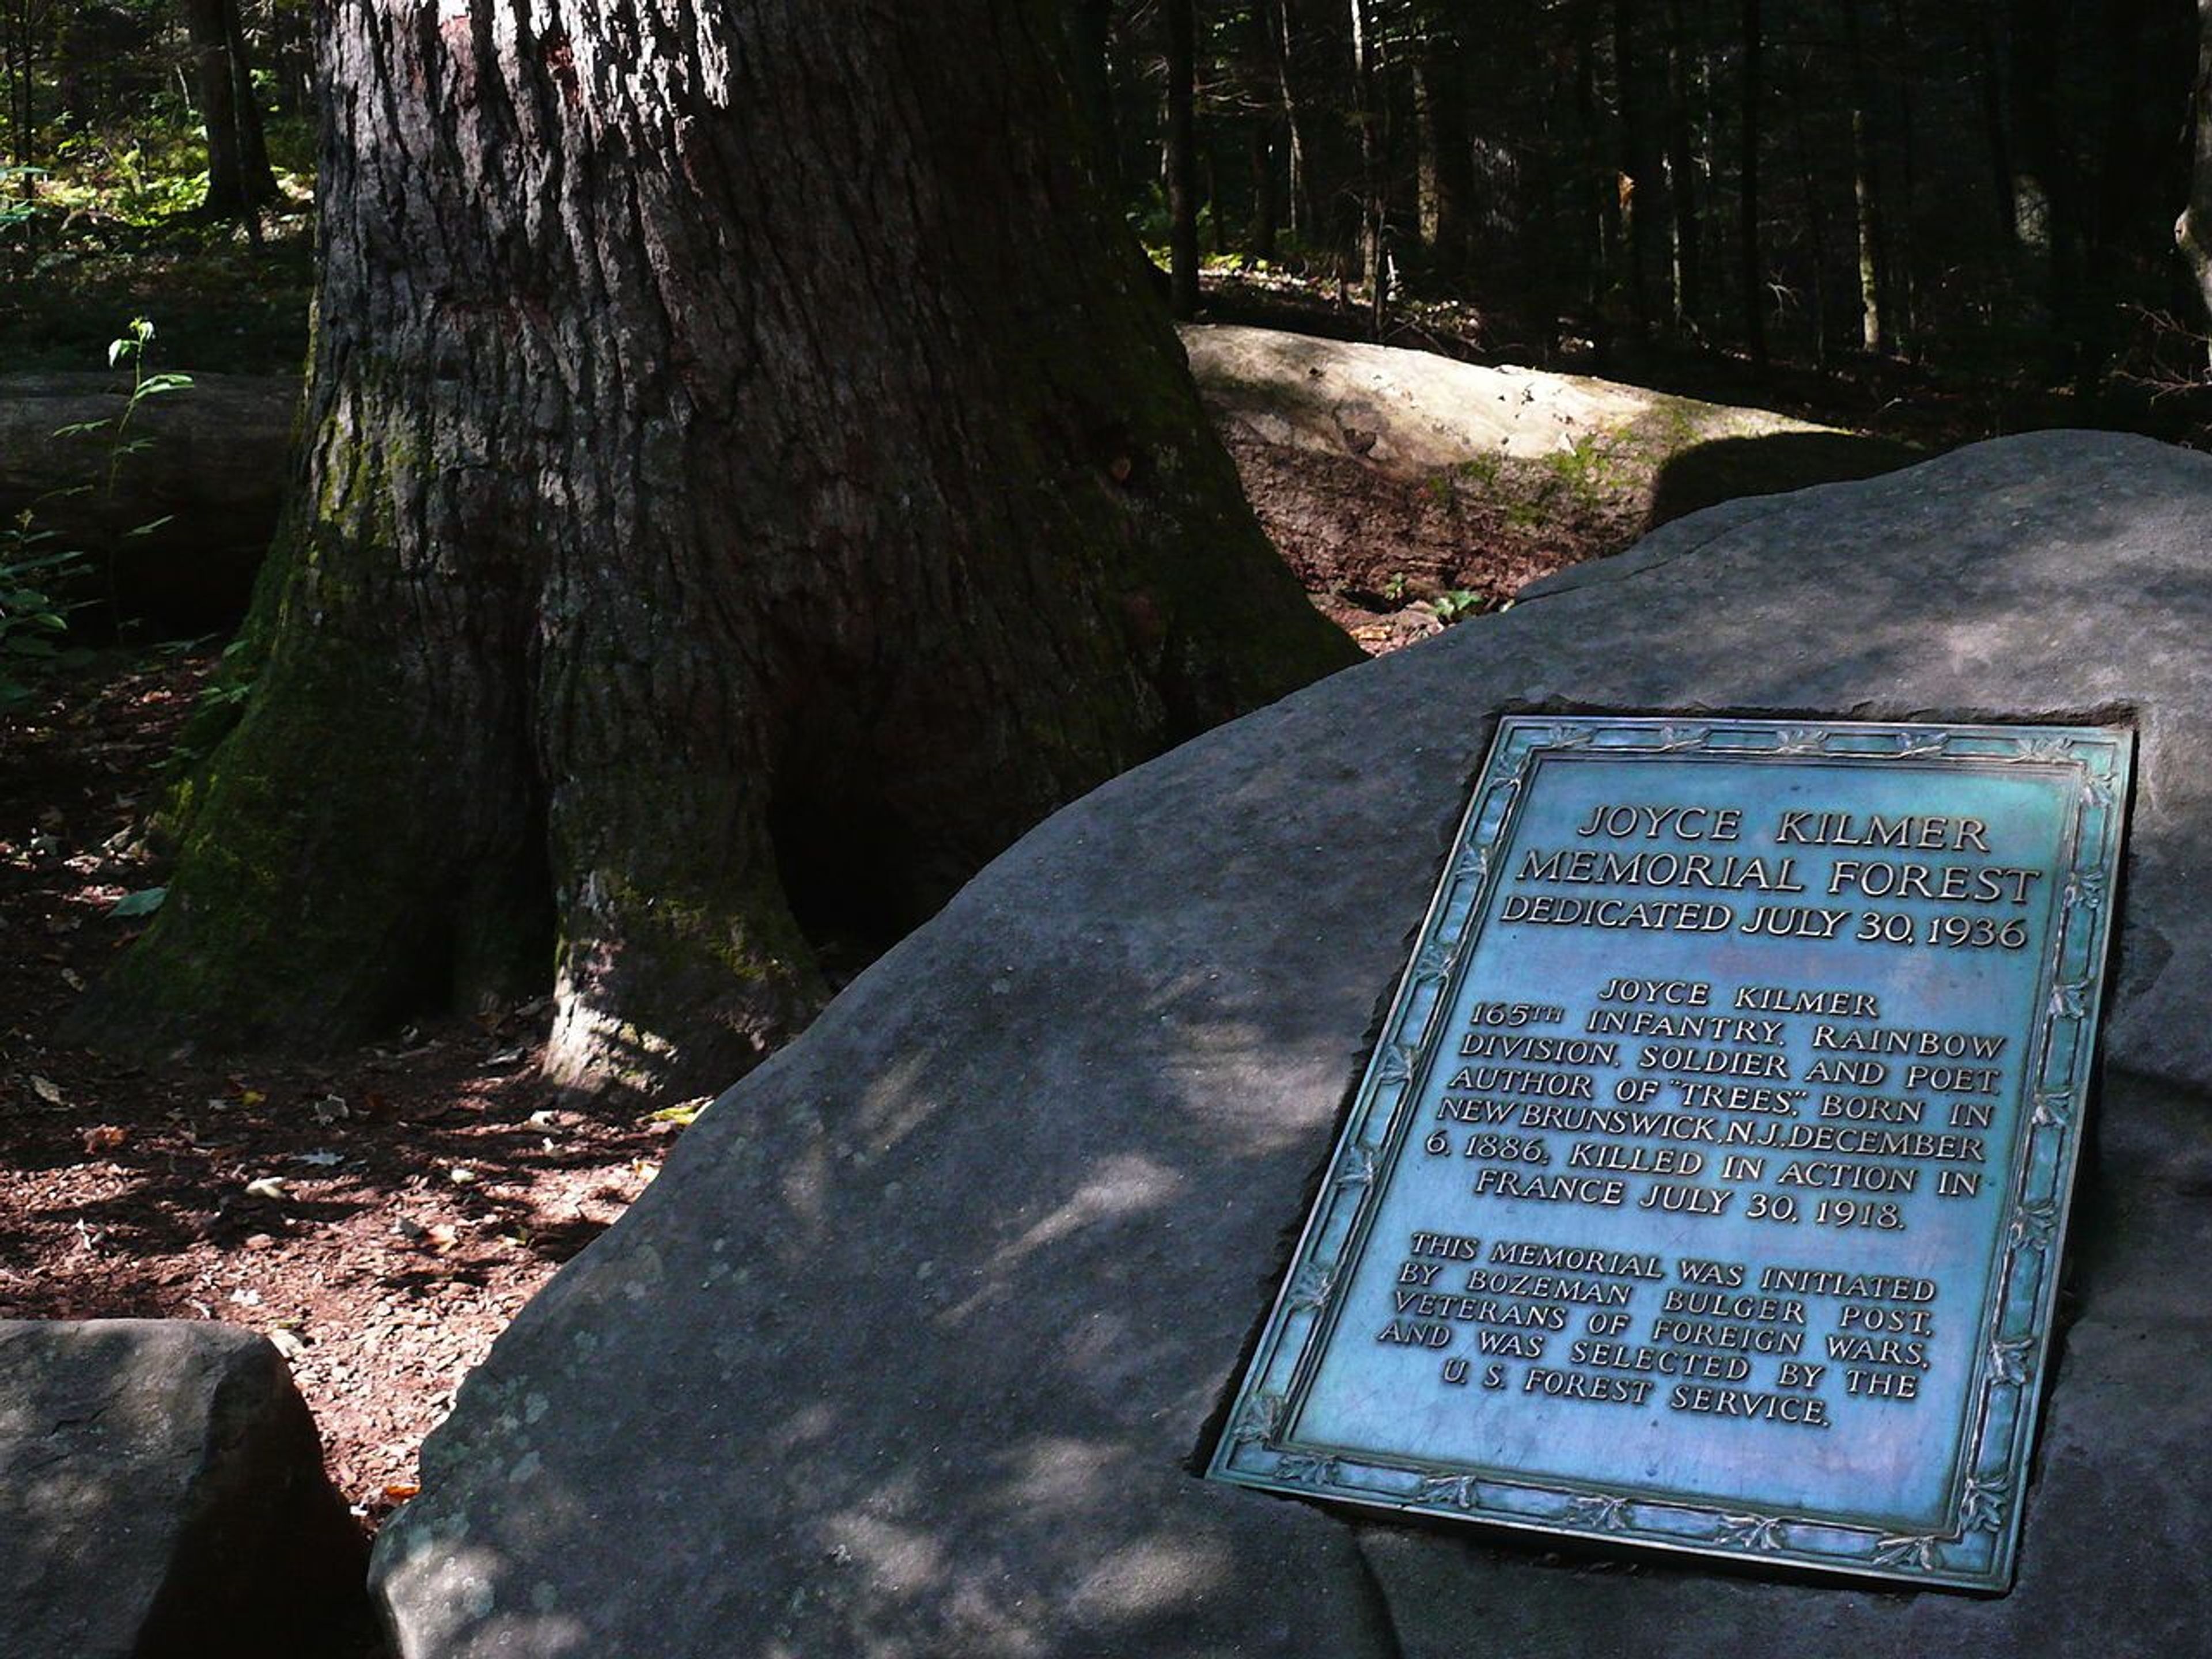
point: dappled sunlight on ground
(381, 1216)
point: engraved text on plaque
(1707, 1188)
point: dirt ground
(380, 1216)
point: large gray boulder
(914, 1348)
(163, 1497)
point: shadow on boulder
(1711, 473)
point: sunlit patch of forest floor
(1897, 396)
(381, 1217)
(1413, 487)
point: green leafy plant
(1456, 605)
(1581, 469)
(34, 572)
(1482, 469)
(132, 351)
(32, 615)
(21, 207)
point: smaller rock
(163, 1497)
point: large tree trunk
(1090, 37)
(747, 480)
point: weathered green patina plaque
(1707, 1188)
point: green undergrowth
(107, 226)
(225, 305)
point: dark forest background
(1986, 189)
(1983, 192)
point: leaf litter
(316, 1205)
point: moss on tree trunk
(750, 481)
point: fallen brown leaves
(380, 1218)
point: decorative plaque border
(1977, 1550)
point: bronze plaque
(1707, 1188)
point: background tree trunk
(1444, 162)
(1753, 265)
(1864, 188)
(1638, 202)
(1367, 121)
(260, 178)
(2044, 191)
(747, 480)
(1276, 17)
(20, 45)
(2192, 232)
(1261, 234)
(239, 179)
(1182, 155)
(1815, 210)
(1601, 185)
(1685, 257)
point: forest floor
(381, 1217)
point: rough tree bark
(1090, 36)
(748, 479)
